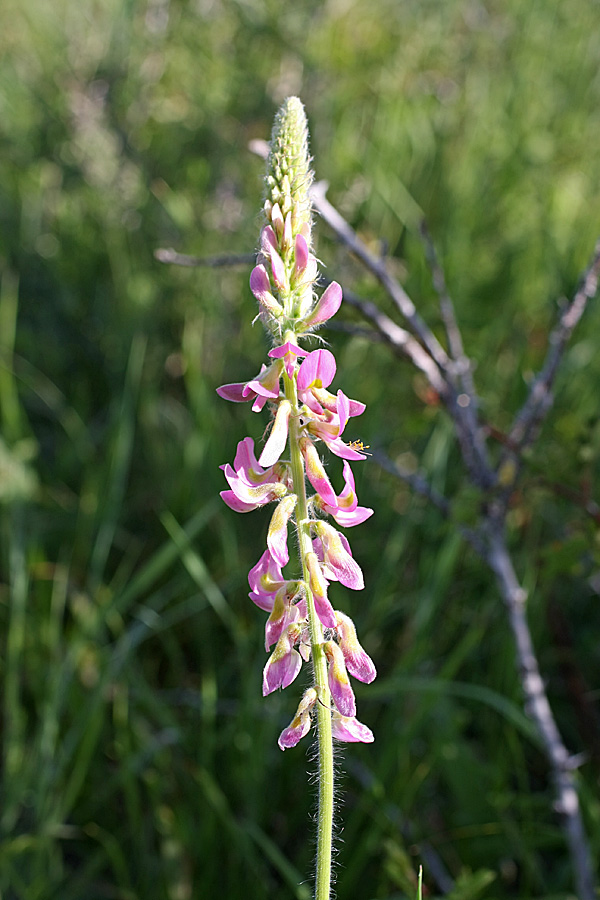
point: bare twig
(461, 405)
(538, 707)
(377, 267)
(168, 255)
(539, 399)
(489, 538)
(455, 343)
(400, 339)
(420, 485)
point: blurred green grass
(138, 757)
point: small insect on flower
(358, 445)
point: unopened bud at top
(289, 175)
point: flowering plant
(302, 623)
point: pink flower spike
(338, 562)
(278, 437)
(316, 473)
(349, 729)
(358, 663)
(318, 586)
(300, 724)
(284, 662)
(339, 683)
(277, 533)
(317, 370)
(326, 308)
(300, 254)
(289, 353)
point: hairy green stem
(323, 706)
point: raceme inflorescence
(302, 624)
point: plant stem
(323, 706)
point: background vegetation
(138, 757)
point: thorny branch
(489, 538)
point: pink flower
(347, 728)
(317, 370)
(270, 251)
(284, 613)
(315, 471)
(338, 564)
(301, 254)
(289, 352)
(277, 533)
(339, 683)
(318, 587)
(328, 305)
(300, 724)
(265, 386)
(328, 414)
(265, 580)
(261, 288)
(358, 663)
(284, 662)
(251, 485)
(345, 509)
(279, 433)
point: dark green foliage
(138, 758)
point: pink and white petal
(281, 673)
(339, 683)
(318, 585)
(288, 347)
(358, 662)
(266, 384)
(277, 533)
(355, 407)
(316, 473)
(318, 370)
(268, 240)
(300, 254)
(349, 729)
(263, 601)
(278, 270)
(266, 574)
(260, 283)
(233, 392)
(237, 505)
(343, 450)
(327, 306)
(348, 518)
(294, 733)
(343, 410)
(278, 437)
(300, 724)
